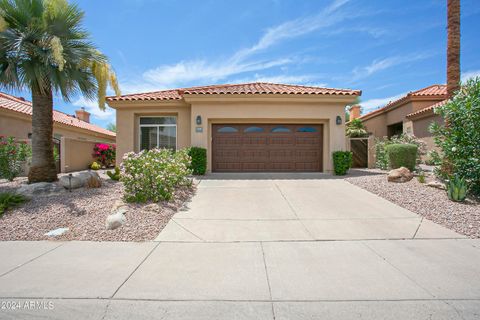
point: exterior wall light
(338, 120)
(198, 120)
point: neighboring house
(16, 121)
(75, 136)
(251, 127)
(412, 114)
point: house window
(158, 132)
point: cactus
(114, 175)
(457, 189)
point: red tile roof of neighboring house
(435, 91)
(12, 103)
(427, 109)
(242, 88)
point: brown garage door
(267, 147)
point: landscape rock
(436, 184)
(40, 188)
(401, 174)
(79, 179)
(56, 232)
(116, 219)
(76, 182)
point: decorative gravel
(83, 211)
(429, 202)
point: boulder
(40, 188)
(401, 174)
(56, 232)
(76, 182)
(436, 184)
(79, 179)
(116, 219)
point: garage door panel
(267, 147)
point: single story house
(411, 114)
(16, 121)
(74, 135)
(249, 127)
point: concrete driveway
(251, 249)
(283, 207)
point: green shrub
(381, 157)
(12, 153)
(95, 166)
(457, 189)
(115, 174)
(153, 175)
(10, 200)
(199, 160)
(342, 161)
(459, 142)
(402, 155)
(421, 177)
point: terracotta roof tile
(424, 110)
(12, 103)
(436, 91)
(243, 88)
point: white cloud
(470, 74)
(373, 104)
(382, 64)
(199, 72)
(92, 107)
(292, 79)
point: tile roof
(436, 91)
(242, 88)
(427, 109)
(20, 105)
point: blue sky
(384, 48)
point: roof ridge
(14, 98)
(428, 87)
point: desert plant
(95, 166)
(10, 200)
(433, 158)
(93, 182)
(342, 161)
(45, 49)
(115, 174)
(199, 160)
(356, 129)
(421, 176)
(457, 188)
(12, 153)
(459, 141)
(402, 155)
(104, 153)
(153, 175)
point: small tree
(460, 140)
(356, 129)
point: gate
(359, 148)
(57, 153)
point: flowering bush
(12, 153)
(104, 153)
(459, 140)
(154, 174)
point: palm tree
(44, 49)
(453, 47)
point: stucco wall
(75, 154)
(20, 125)
(377, 125)
(128, 125)
(421, 129)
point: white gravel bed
(83, 211)
(429, 202)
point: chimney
(83, 115)
(354, 112)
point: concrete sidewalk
(377, 279)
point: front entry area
(267, 147)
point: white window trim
(158, 131)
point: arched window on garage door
(307, 129)
(227, 130)
(253, 129)
(280, 129)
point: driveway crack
(193, 234)
(268, 280)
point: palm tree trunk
(453, 47)
(43, 164)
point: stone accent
(401, 174)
